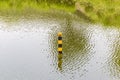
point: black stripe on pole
(59, 38)
(59, 45)
(60, 52)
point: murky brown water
(28, 50)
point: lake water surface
(28, 50)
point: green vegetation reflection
(75, 46)
(115, 60)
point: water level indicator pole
(60, 42)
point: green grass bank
(106, 12)
(21, 6)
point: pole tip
(59, 33)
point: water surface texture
(28, 50)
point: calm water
(28, 50)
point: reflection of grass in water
(115, 63)
(44, 15)
(74, 44)
(73, 40)
(117, 58)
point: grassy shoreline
(99, 11)
(106, 12)
(32, 6)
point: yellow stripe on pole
(59, 49)
(59, 41)
(59, 34)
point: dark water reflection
(28, 50)
(115, 59)
(75, 43)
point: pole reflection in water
(75, 47)
(60, 61)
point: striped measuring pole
(60, 43)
